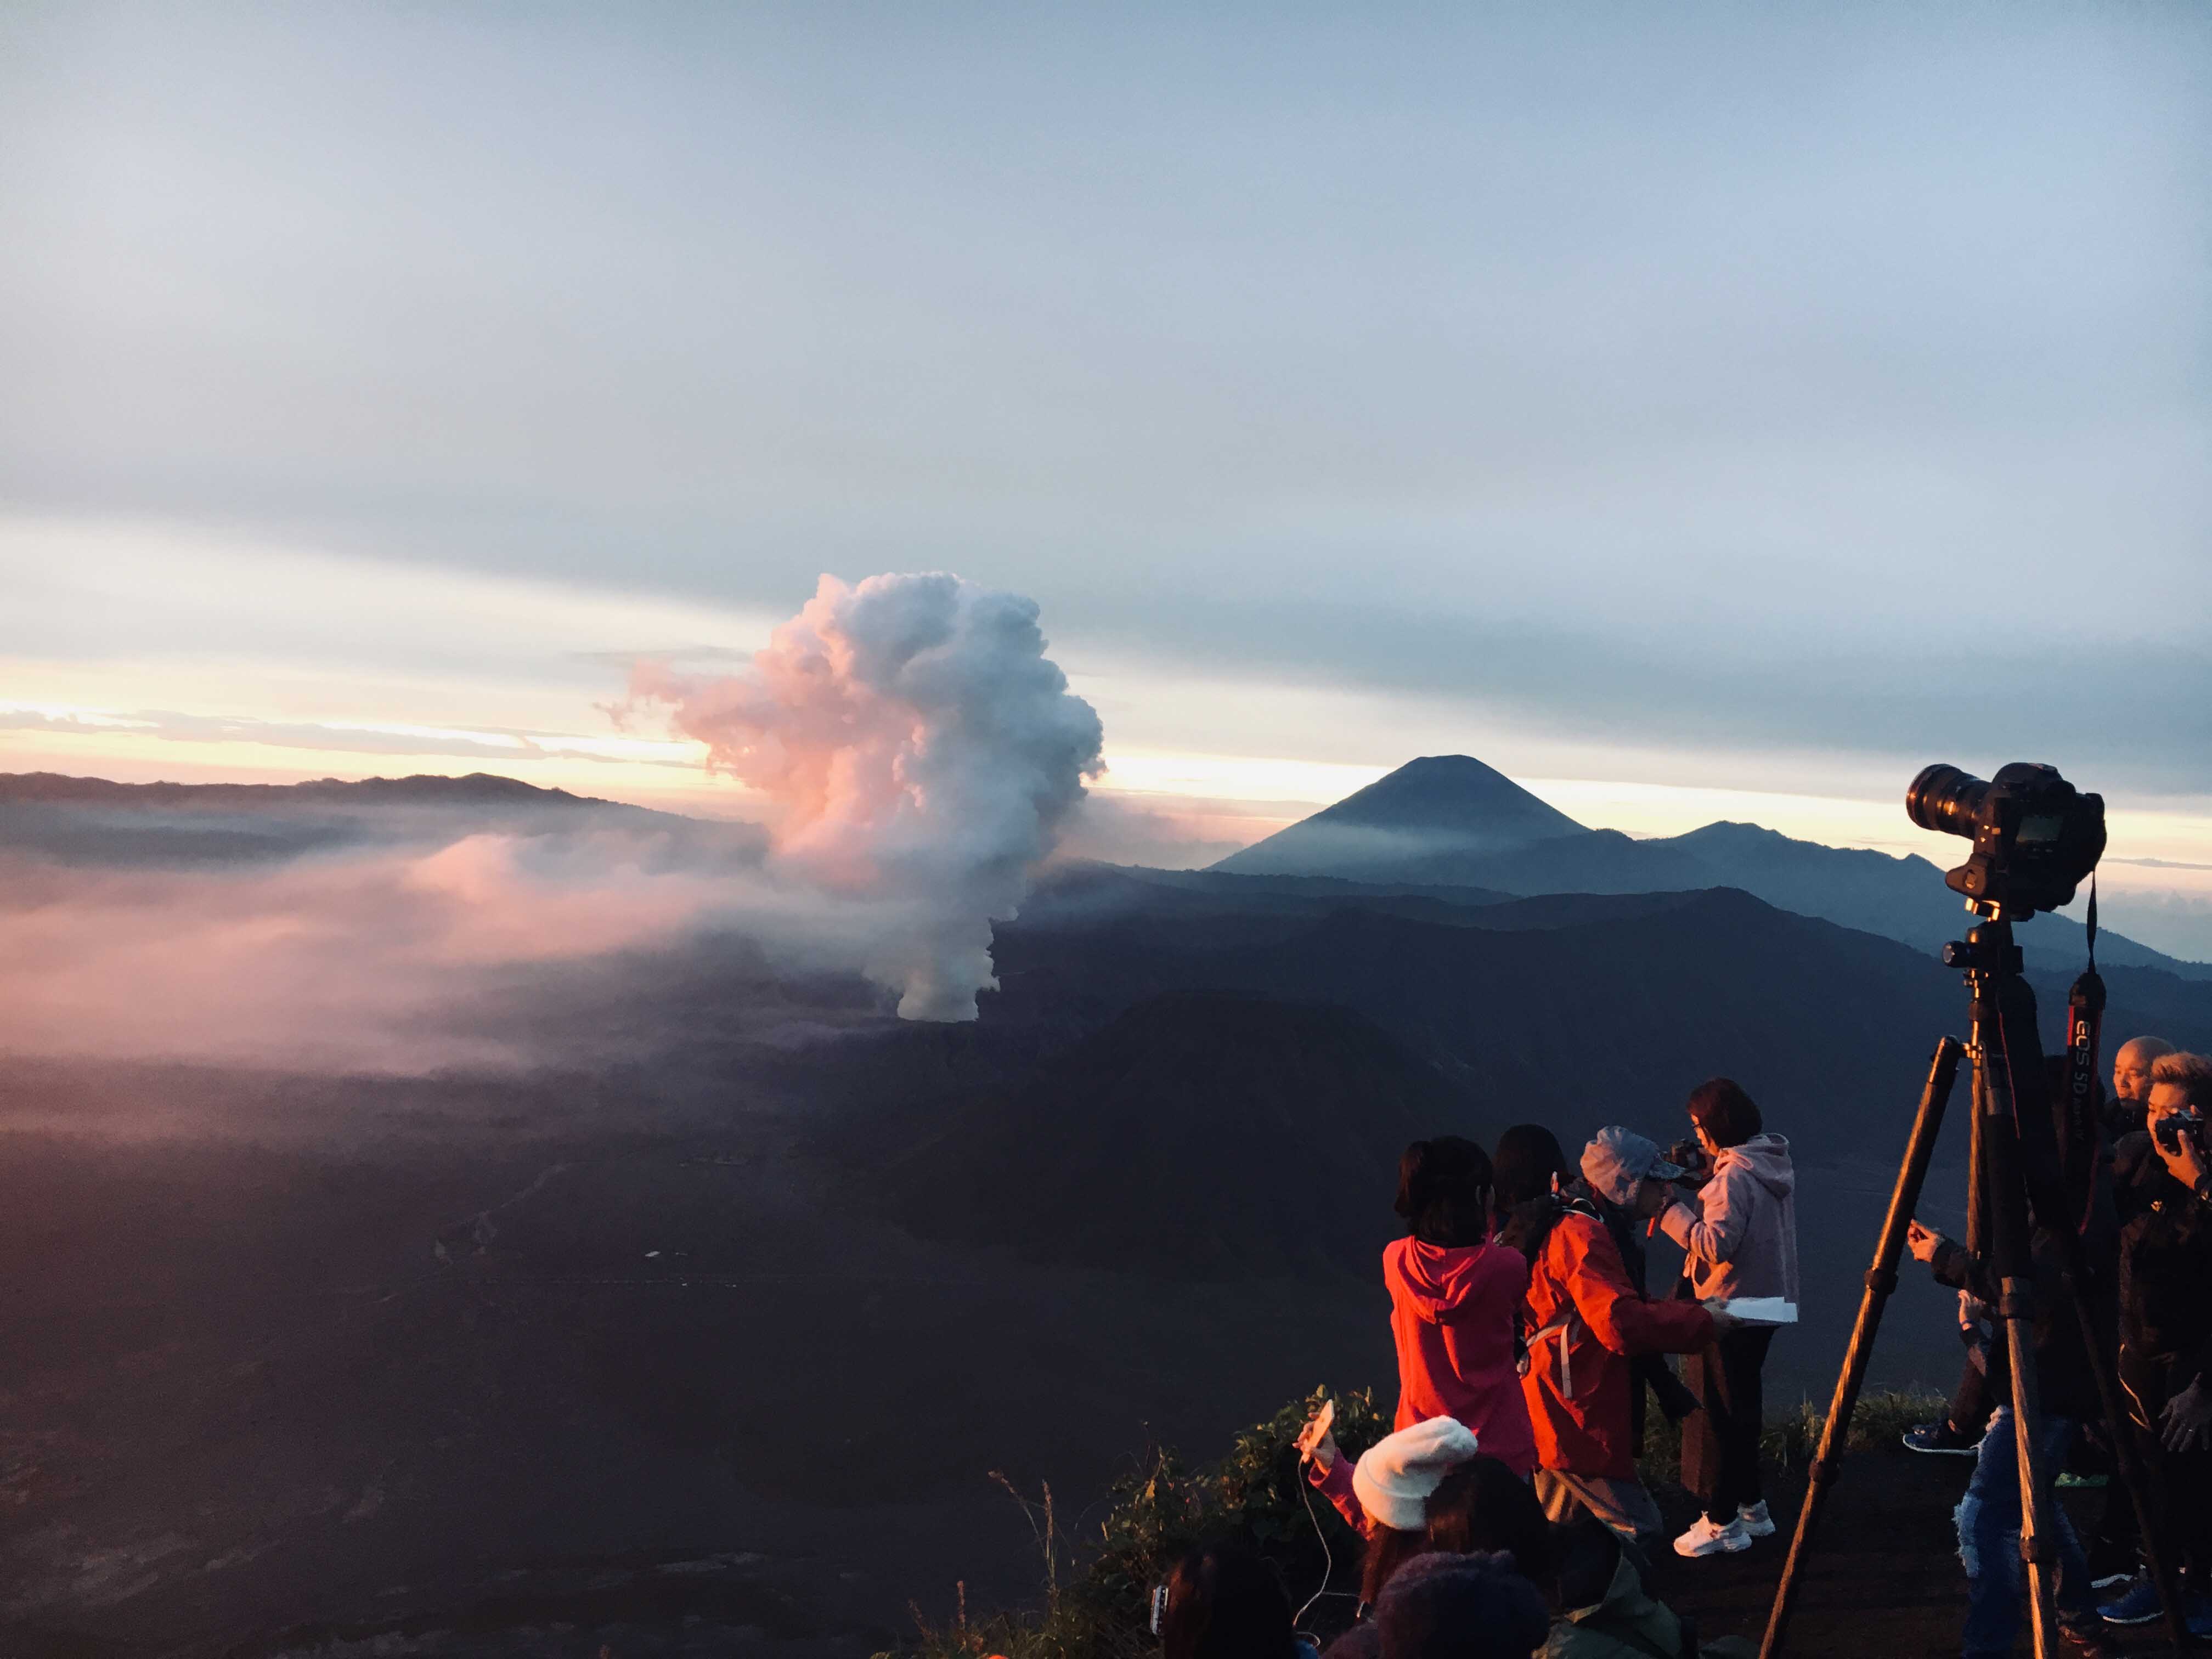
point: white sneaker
(1705, 1538)
(1755, 1520)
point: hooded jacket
(1453, 1315)
(1585, 1320)
(1626, 1623)
(1742, 1240)
(1623, 1621)
(2165, 1264)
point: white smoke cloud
(926, 752)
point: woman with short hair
(1740, 1241)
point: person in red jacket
(1454, 1300)
(1583, 1321)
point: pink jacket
(1452, 1313)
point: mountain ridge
(1899, 896)
(417, 788)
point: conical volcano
(1410, 825)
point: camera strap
(2085, 1021)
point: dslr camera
(1690, 1154)
(2035, 834)
(2174, 1127)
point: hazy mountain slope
(1198, 1135)
(1613, 1014)
(421, 789)
(92, 820)
(1440, 807)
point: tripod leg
(2005, 1205)
(2037, 1532)
(1881, 1281)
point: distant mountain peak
(1450, 792)
(1438, 805)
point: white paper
(1763, 1310)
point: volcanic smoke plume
(925, 750)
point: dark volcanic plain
(707, 1334)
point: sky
(1697, 412)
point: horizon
(1130, 835)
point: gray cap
(1617, 1159)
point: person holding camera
(1584, 1319)
(1740, 1241)
(2165, 1330)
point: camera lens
(1945, 799)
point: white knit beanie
(1396, 1474)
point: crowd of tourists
(2140, 1203)
(1504, 1515)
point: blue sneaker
(1940, 1437)
(2137, 1605)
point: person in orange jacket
(1582, 1319)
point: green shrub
(1160, 1510)
(1258, 1493)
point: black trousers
(1720, 1444)
(2184, 1478)
(1970, 1404)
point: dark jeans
(1989, 1540)
(1720, 1444)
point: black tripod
(2016, 1184)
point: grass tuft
(1881, 1416)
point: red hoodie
(1452, 1312)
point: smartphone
(1159, 1606)
(1324, 1420)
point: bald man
(2134, 1166)
(2132, 1083)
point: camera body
(2172, 1129)
(1690, 1153)
(2035, 834)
